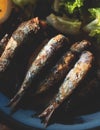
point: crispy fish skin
(17, 39)
(3, 43)
(71, 81)
(46, 53)
(62, 67)
(84, 44)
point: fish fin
(46, 115)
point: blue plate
(24, 119)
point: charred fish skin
(42, 59)
(3, 43)
(62, 67)
(84, 44)
(71, 81)
(17, 39)
(76, 75)
(57, 73)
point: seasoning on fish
(71, 81)
(60, 70)
(3, 43)
(42, 59)
(84, 44)
(17, 39)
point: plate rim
(12, 121)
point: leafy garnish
(93, 28)
(72, 5)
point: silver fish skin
(16, 40)
(62, 67)
(46, 53)
(70, 83)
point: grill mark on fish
(42, 59)
(62, 67)
(17, 39)
(71, 81)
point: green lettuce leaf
(93, 28)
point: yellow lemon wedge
(5, 10)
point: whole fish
(60, 70)
(71, 82)
(17, 39)
(42, 59)
(3, 43)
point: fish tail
(15, 100)
(47, 114)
